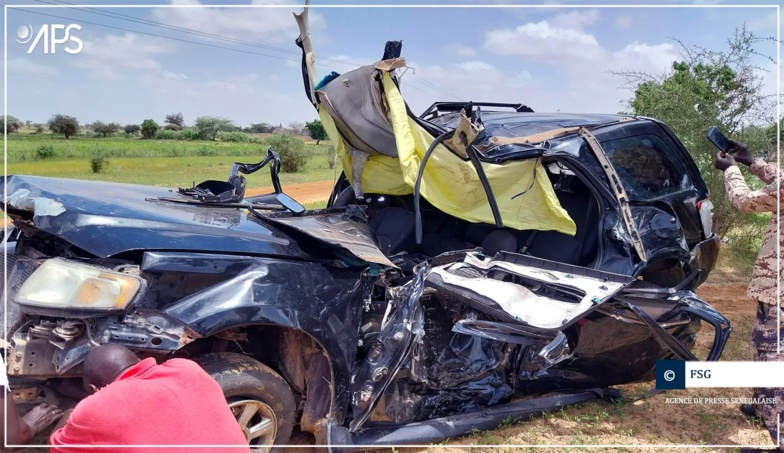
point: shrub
(45, 152)
(98, 164)
(209, 126)
(239, 137)
(206, 151)
(149, 128)
(39, 129)
(292, 151)
(189, 133)
(168, 134)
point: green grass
(169, 171)
(22, 147)
(154, 162)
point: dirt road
(306, 192)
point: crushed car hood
(105, 219)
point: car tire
(245, 380)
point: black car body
(370, 336)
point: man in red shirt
(137, 402)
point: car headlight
(60, 283)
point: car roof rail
(439, 108)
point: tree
(64, 124)
(712, 88)
(105, 129)
(261, 128)
(316, 131)
(209, 126)
(149, 128)
(131, 129)
(176, 120)
(296, 126)
(28, 123)
(12, 123)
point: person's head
(104, 364)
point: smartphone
(719, 139)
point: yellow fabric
(382, 174)
(452, 184)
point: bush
(189, 133)
(209, 126)
(149, 128)
(206, 151)
(39, 129)
(168, 134)
(45, 152)
(238, 137)
(291, 149)
(98, 164)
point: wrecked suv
(475, 264)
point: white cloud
(578, 56)
(253, 24)
(541, 41)
(173, 76)
(460, 51)
(27, 65)
(107, 58)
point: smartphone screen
(719, 139)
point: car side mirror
(289, 203)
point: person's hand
(41, 417)
(723, 161)
(740, 152)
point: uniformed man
(765, 281)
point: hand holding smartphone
(720, 140)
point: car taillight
(705, 208)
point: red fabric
(174, 403)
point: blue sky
(553, 58)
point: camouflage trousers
(764, 338)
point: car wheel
(260, 399)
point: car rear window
(646, 166)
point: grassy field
(153, 162)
